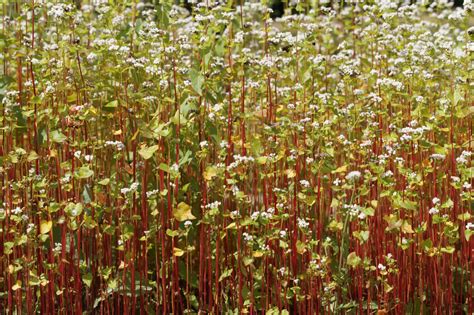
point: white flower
(436, 200)
(433, 211)
(117, 144)
(133, 188)
(255, 215)
(304, 183)
(213, 205)
(247, 237)
(354, 175)
(17, 211)
(174, 167)
(463, 158)
(302, 223)
(469, 226)
(466, 185)
(152, 193)
(57, 247)
(224, 144)
(91, 57)
(438, 157)
(381, 267)
(30, 227)
(77, 154)
(388, 173)
(88, 157)
(187, 224)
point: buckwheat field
(240, 157)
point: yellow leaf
(147, 152)
(262, 160)
(32, 156)
(135, 135)
(178, 252)
(17, 285)
(341, 169)
(257, 254)
(209, 173)
(183, 212)
(290, 173)
(122, 265)
(374, 203)
(45, 226)
(407, 228)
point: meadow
(211, 158)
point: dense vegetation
(155, 159)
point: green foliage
(216, 160)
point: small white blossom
(354, 175)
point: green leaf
(147, 152)
(448, 204)
(164, 167)
(104, 182)
(112, 104)
(364, 235)
(183, 212)
(73, 209)
(57, 136)
(113, 284)
(172, 233)
(369, 211)
(262, 160)
(86, 194)
(83, 172)
(427, 244)
(457, 96)
(467, 234)
(32, 156)
(225, 274)
(87, 278)
(197, 80)
(353, 260)
(447, 249)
